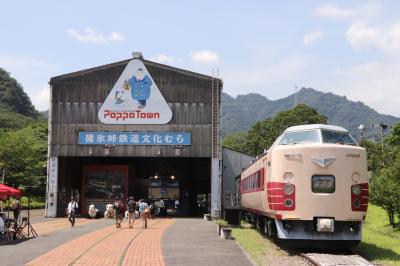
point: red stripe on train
(277, 197)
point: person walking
(176, 207)
(16, 208)
(161, 203)
(71, 211)
(131, 211)
(144, 211)
(118, 212)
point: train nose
(323, 176)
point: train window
(337, 137)
(155, 182)
(323, 184)
(300, 137)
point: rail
(319, 259)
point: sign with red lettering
(135, 99)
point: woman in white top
(144, 211)
(71, 211)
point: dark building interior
(192, 174)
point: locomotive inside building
(99, 180)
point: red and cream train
(310, 185)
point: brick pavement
(21, 252)
(111, 246)
(44, 228)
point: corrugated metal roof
(125, 62)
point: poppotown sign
(135, 99)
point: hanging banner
(135, 138)
(135, 99)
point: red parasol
(9, 191)
(4, 194)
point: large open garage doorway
(98, 180)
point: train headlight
(356, 203)
(288, 189)
(288, 176)
(356, 177)
(356, 190)
(288, 203)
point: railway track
(324, 259)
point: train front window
(300, 137)
(323, 184)
(336, 137)
(155, 182)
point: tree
(385, 190)
(235, 141)
(385, 164)
(23, 154)
(263, 134)
(375, 155)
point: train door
(267, 178)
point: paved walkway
(111, 246)
(196, 242)
(98, 242)
(50, 235)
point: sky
(347, 47)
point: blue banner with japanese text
(135, 138)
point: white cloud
(163, 59)
(384, 38)
(368, 10)
(40, 99)
(95, 36)
(311, 37)
(204, 56)
(374, 83)
(333, 12)
(268, 78)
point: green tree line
(384, 164)
(23, 137)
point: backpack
(131, 206)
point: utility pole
(382, 126)
(362, 129)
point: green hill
(16, 109)
(238, 114)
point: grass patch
(255, 244)
(220, 222)
(380, 242)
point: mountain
(16, 109)
(13, 97)
(45, 113)
(240, 113)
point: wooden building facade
(76, 98)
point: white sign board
(135, 99)
(52, 186)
